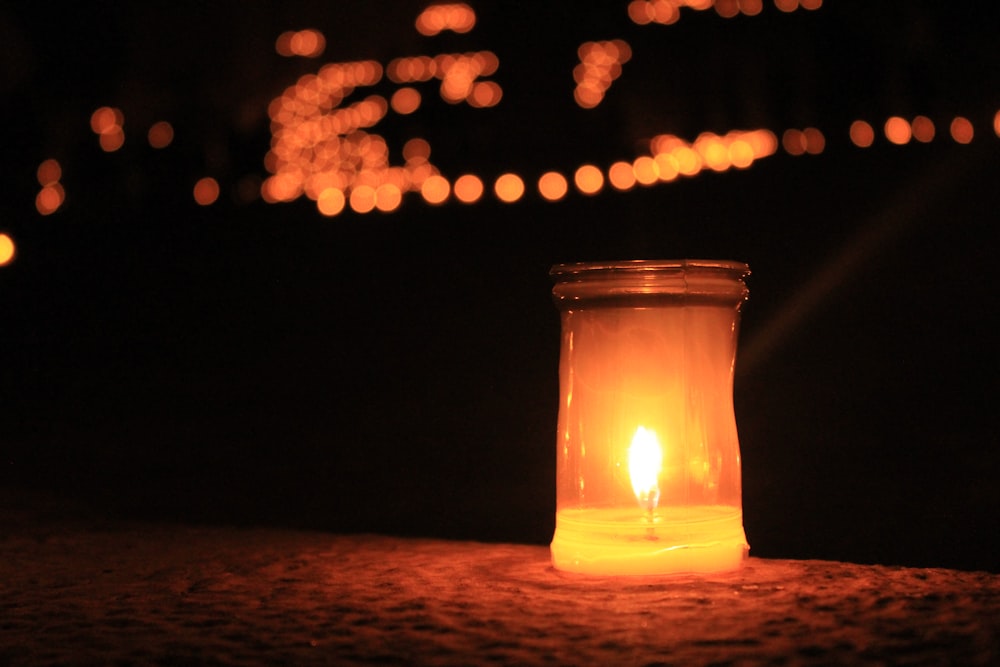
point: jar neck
(647, 283)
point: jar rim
(580, 269)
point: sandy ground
(79, 590)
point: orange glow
(897, 130)
(283, 45)
(160, 134)
(645, 170)
(106, 119)
(810, 4)
(331, 201)
(923, 129)
(667, 167)
(206, 191)
(961, 130)
(815, 141)
(621, 176)
(552, 186)
(468, 188)
(485, 94)
(458, 17)
(362, 199)
(405, 100)
(996, 123)
(862, 134)
(588, 179)
(688, 161)
(751, 7)
(49, 172)
(600, 64)
(306, 43)
(49, 199)
(415, 149)
(112, 140)
(388, 197)
(509, 188)
(786, 5)
(793, 141)
(727, 9)
(741, 153)
(435, 189)
(7, 249)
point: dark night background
(248, 363)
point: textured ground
(86, 592)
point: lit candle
(648, 467)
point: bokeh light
(961, 130)
(435, 189)
(206, 191)
(621, 176)
(588, 179)
(457, 17)
(923, 129)
(405, 100)
(331, 201)
(468, 188)
(862, 134)
(50, 198)
(161, 134)
(552, 186)
(8, 249)
(508, 187)
(897, 130)
(49, 172)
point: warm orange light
(160, 134)
(741, 153)
(111, 140)
(659, 491)
(362, 199)
(435, 189)
(106, 119)
(923, 129)
(897, 130)
(862, 134)
(793, 141)
(751, 7)
(388, 197)
(416, 148)
(588, 179)
(306, 43)
(331, 202)
(508, 188)
(621, 176)
(468, 188)
(810, 4)
(457, 17)
(786, 5)
(727, 9)
(961, 130)
(552, 186)
(49, 172)
(49, 198)
(645, 461)
(405, 100)
(667, 167)
(485, 94)
(814, 140)
(645, 169)
(688, 161)
(206, 191)
(7, 249)
(996, 123)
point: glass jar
(648, 460)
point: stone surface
(86, 592)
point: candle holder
(648, 460)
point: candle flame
(645, 459)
